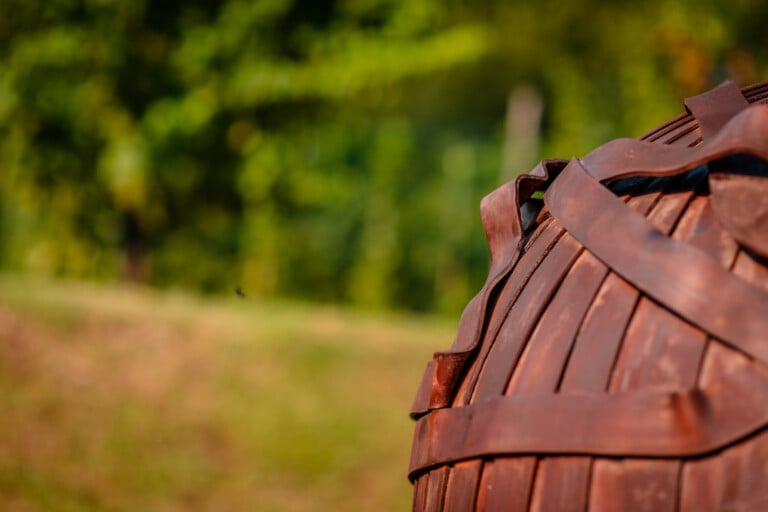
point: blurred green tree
(334, 150)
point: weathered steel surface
(617, 358)
(741, 205)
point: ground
(129, 399)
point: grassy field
(132, 400)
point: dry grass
(126, 399)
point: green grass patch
(125, 399)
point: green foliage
(335, 150)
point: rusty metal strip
(517, 281)
(666, 128)
(716, 107)
(436, 489)
(508, 328)
(703, 482)
(537, 299)
(743, 134)
(733, 478)
(549, 346)
(740, 470)
(512, 337)
(503, 225)
(505, 484)
(752, 269)
(700, 228)
(561, 484)
(589, 367)
(462, 486)
(740, 201)
(754, 89)
(420, 492)
(623, 158)
(685, 135)
(761, 98)
(752, 94)
(492, 371)
(659, 352)
(638, 424)
(599, 340)
(633, 157)
(679, 276)
(644, 484)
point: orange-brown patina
(617, 356)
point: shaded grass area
(127, 399)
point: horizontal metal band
(640, 424)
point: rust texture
(617, 356)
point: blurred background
(232, 233)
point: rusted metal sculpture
(617, 356)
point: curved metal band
(753, 94)
(505, 236)
(716, 107)
(617, 159)
(624, 158)
(678, 275)
(646, 424)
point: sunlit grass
(127, 399)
